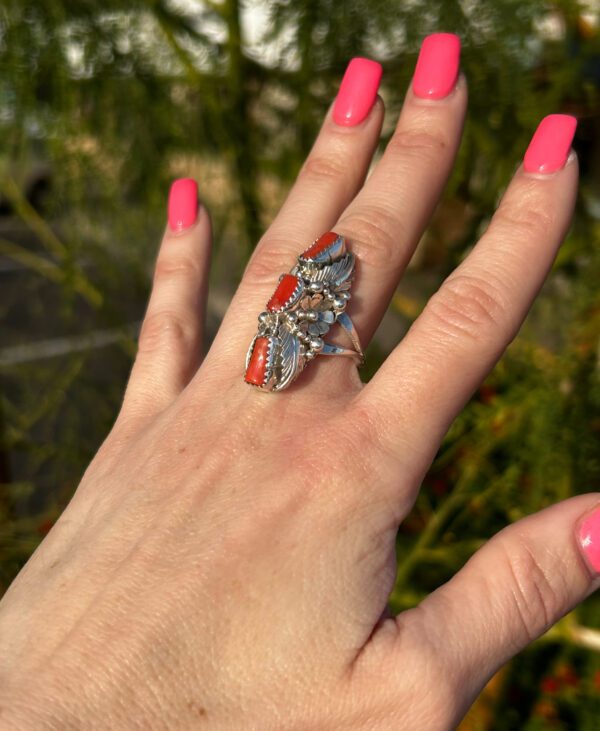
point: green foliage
(102, 104)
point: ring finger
(330, 177)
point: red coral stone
(282, 295)
(255, 373)
(320, 244)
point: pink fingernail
(357, 92)
(436, 72)
(589, 539)
(550, 145)
(183, 203)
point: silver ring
(308, 300)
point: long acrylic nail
(550, 145)
(183, 204)
(589, 539)
(357, 92)
(436, 72)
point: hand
(227, 559)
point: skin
(226, 560)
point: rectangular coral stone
(283, 294)
(257, 367)
(320, 244)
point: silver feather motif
(289, 356)
(336, 273)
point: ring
(307, 302)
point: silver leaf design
(338, 272)
(289, 356)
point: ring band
(307, 302)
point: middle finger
(387, 218)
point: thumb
(511, 591)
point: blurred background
(102, 104)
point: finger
(387, 218)
(169, 348)
(478, 310)
(508, 594)
(332, 173)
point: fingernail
(436, 72)
(183, 203)
(357, 92)
(550, 145)
(589, 539)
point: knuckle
(523, 219)
(182, 265)
(537, 594)
(321, 167)
(164, 329)
(417, 143)
(374, 231)
(270, 258)
(468, 306)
